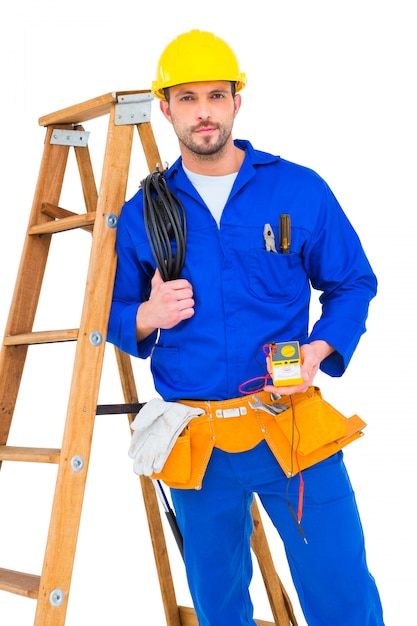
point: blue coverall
(246, 296)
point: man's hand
(312, 354)
(170, 303)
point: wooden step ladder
(64, 131)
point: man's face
(202, 115)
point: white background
(331, 86)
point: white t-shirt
(213, 189)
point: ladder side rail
(76, 445)
(172, 612)
(85, 168)
(152, 508)
(29, 281)
(280, 603)
(171, 608)
(149, 144)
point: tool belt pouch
(309, 431)
(188, 460)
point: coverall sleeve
(131, 288)
(338, 267)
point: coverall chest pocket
(276, 276)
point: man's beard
(207, 148)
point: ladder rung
(43, 336)
(35, 455)
(19, 583)
(187, 616)
(57, 212)
(116, 409)
(63, 224)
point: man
(205, 331)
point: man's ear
(164, 106)
(237, 103)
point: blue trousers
(330, 572)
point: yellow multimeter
(285, 362)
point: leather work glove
(156, 428)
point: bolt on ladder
(64, 131)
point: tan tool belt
(309, 431)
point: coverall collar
(247, 170)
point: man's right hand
(170, 303)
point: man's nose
(203, 111)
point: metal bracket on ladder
(74, 138)
(133, 109)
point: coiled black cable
(165, 224)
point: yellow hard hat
(195, 57)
